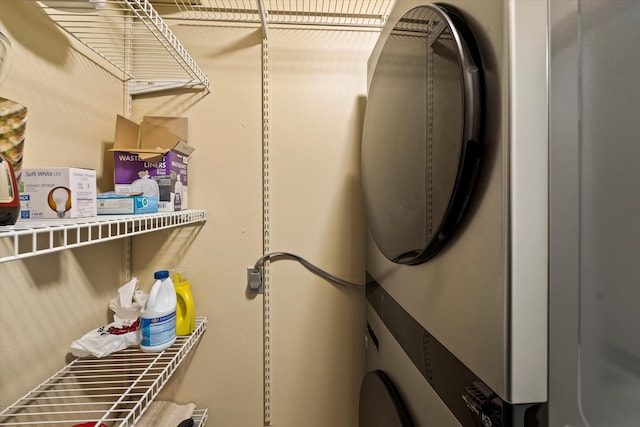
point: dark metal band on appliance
(466, 396)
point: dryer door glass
(421, 133)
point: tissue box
(57, 193)
(151, 158)
(113, 203)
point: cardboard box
(152, 159)
(57, 193)
(113, 203)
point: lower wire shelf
(114, 390)
(200, 417)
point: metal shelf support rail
(114, 390)
(263, 18)
(30, 238)
(132, 37)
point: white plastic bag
(107, 339)
(119, 334)
(129, 302)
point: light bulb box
(57, 192)
(151, 158)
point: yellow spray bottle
(185, 312)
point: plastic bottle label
(157, 331)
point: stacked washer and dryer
(496, 293)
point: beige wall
(317, 85)
(225, 177)
(317, 88)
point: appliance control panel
(485, 405)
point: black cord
(312, 268)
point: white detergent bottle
(158, 318)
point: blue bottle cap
(162, 274)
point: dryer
(454, 174)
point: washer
(380, 402)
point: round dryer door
(421, 134)
(380, 403)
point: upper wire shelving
(350, 13)
(131, 36)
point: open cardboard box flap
(153, 138)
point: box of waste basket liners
(152, 158)
(59, 192)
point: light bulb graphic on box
(60, 200)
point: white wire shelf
(114, 390)
(30, 238)
(353, 13)
(200, 417)
(132, 37)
